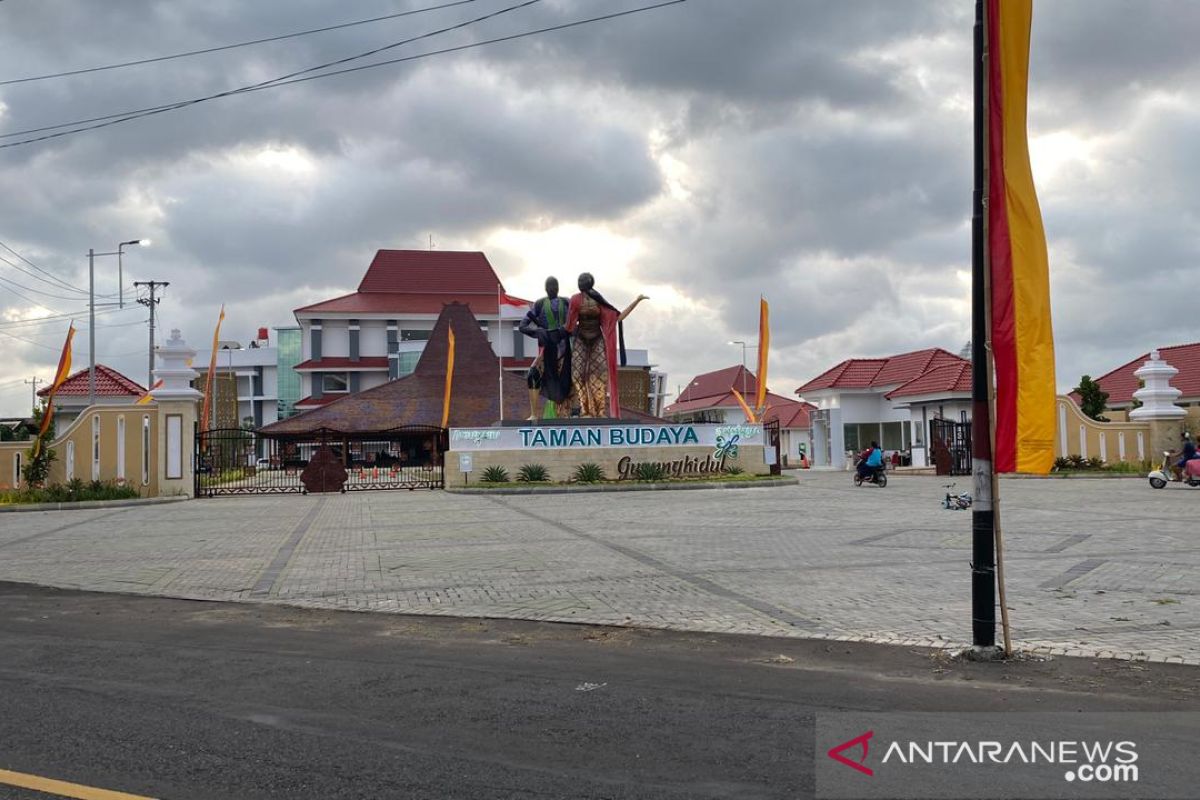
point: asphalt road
(180, 699)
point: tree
(1092, 400)
(37, 468)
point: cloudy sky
(815, 152)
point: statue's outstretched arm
(631, 307)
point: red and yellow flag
(1022, 337)
(764, 346)
(450, 379)
(60, 375)
(149, 395)
(210, 381)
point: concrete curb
(632, 487)
(89, 504)
(1070, 476)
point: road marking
(63, 788)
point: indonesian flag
(1021, 334)
(503, 299)
(60, 375)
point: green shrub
(588, 473)
(73, 492)
(1095, 463)
(533, 473)
(495, 474)
(650, 471)
(734, 469)
(1061, 463)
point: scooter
(1160, 477)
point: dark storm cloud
(814, 152)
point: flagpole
(499, 345)
(983, 564)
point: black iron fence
(233, 461)
(950, 446)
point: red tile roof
(430, 272)
(317, 402)
(870, 373)
(342, 363)
(790, 413)
(109, 383)
(947, 379)
(419, 282)
(1121, 382)
(718, 384)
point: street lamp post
(92, 307)
(743, 344)
(120, 271)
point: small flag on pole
(750, 415)
(149, 395)
(210, 381)
(764, 346)
(449, 378)
(60, 375)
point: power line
(206, 50)
(31, 289)
(285, 81)
(125, 116)
(55, 281)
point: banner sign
(569, 437)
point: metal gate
(771, 439)
(951, 446)
(231, 461)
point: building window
(70, 459)
(16, 469)
(414, 336)
(96, 447)
(174, 446)
(121, 448)
(146, 450)
(407, 363)
(287, 357)
(335, 382)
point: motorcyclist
(1185, 454)
(869, 461)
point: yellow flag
(764, 346)
(149, 395)
(209, 383)
(449, 379)
(750, 415)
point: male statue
(549, 378)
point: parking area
(1095, 567)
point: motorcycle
(1160, 477)
(878, 476)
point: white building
(255, 369)
(855, 405)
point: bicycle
(955, 502)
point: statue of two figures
(580, 343)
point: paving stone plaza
(1104, 567)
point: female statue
(599, 341)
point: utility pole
(151, 302)
(33, 382)
(983, 517)
(91, 326)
